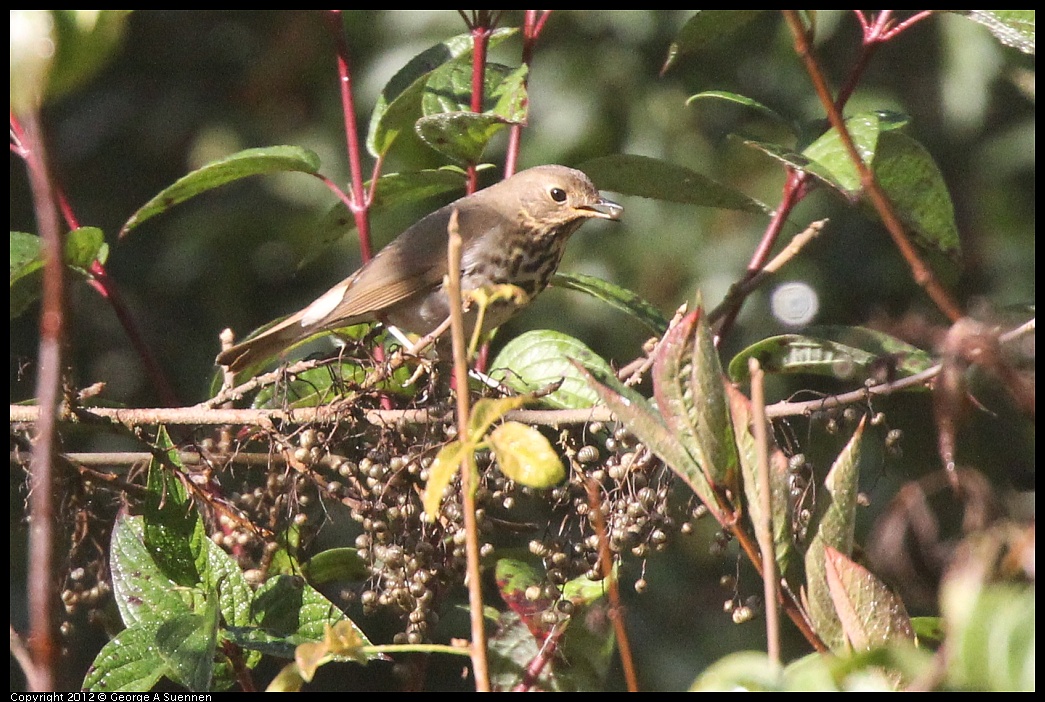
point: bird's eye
(558, 194)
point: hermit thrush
(513, 232)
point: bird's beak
(603, 209)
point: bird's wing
(411, 264)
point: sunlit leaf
(524, 455)
(870, 613)
(537, 359)
(1013, 28)
(441, 473)
(834, 524)
(747, 450)
(127, 663)
(399, 105)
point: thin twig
(480, 667)
(762, 527)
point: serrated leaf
(1013, 28)
(834, 525)
(706, 28)
(226, 579)
(536, 359)
(127, 663)
(845, 353)
(462, 136)
(661, 180)
(615, 296)
(440, 474)
(747, 451)
(243, 164)
(399, 105)
(525, 456)
(288, 606)
(635, 412)
(870, 613)
(187, 643)
(142, 592)
(174, 533)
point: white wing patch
(324, 305)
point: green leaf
(661, 180)
(870, 613)
(747, 450)
(174, 533)
(85, 41)
(250, 162)
(835, 525)
(127, 663)
(689, 389)
(81, 248)
(143, 593)
(462, 136)
(536, 359)
(913, 183)
(288, 606)
(833, 164)
(26, 271)
(741, 100)
(187, 643)
(399, 105)
(846, 353)
(335, 564)
(448, 124)
(226, 579)
(1013, 28)
(615, 296)
(449, 89)
(991, 644)
(524, 455)
(706, 28)
(320, 386)
(441, 473)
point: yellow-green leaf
(440, 473)
(525, 456)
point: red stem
(358, 199)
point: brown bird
(513, 232)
